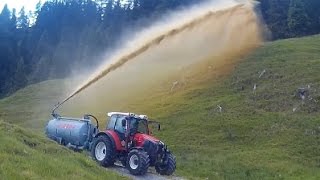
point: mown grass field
(263, 130)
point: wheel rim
(100, 151)
(133, 162)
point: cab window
(138, 125)
(112, 121)
(119, 126)
(143, 127)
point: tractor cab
(129, 124)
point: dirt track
(151, 175)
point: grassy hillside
(259, 134)
(26, 155)
(263, 130)
(31, 107)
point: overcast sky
(18, 4)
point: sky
(18, 4)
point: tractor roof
(128, 114)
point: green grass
(30, 107)
(26, 155)
(256, 136)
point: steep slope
(26, 155)
(268, 132)
(247, 124)
(30, 107)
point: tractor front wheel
(138, 162)
(102, 151)
(168, 166)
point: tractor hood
(141, 138)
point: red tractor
(127, 138)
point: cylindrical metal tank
(69, 131)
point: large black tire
(167, 168)
(138, 162)
(102, 151)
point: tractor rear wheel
(102, 151)
(168, 166)
(138, 162)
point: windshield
(139, 126)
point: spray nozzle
(53, 113)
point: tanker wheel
(102, 151)
(168, 166)
(138, 162)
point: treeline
(63, 34)
(291, 18)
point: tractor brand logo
(66, 126)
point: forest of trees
(62, 34)
(291, 18)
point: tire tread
(110, 154)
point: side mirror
(124, 123)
